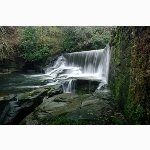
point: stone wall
(129, 76)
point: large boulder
(13, 110)
(71, 108)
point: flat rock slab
(71, 106)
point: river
(17, 83)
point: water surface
(18, 83)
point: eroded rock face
(14, 108)
(14, 111)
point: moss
(50, 92)
(59, 99)
(129, 112)
(117, 121)
(26, 95)
(63, 120)
(81, 92)
(128, 79)
(139, 113)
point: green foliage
(128, 79)
(85, 38)
(117, 121)
(37, 43)
(135, 113)
(64, 120)
(140, 113)
(50, 37)
(28, 39)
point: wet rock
(89, 102)
(54, 90)
(86, 86)
(73, 108)
(2, 98)
(14, 108)
(104, 94)
(51, 60)
(13, 111)
(3, 104)
(9, 97)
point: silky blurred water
(89, 65)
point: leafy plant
(28, 44)
(85, 38)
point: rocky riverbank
(71, 108)
(50, 106)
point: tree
(38, 43)
(85, 38)
(28, 44)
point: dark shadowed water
(17, 83)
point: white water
(89, 65)
(69, 86)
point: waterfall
(69, 86)
(89, 65)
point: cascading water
(69, 86)
(89, 65)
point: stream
(17, 83)
(87, 65)
(71, 86)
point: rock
(9, 97)
(14, 108)
(3, 104)
(71, 108)
(89, 102)
(104, 94)
(9, 66)
(13, 111)
(50, 61)
(2, 98)
(54, 90)
(86, 86)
